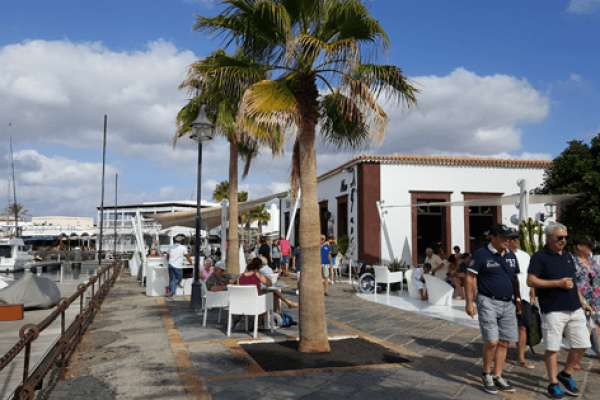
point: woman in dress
(587, 278)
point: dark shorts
(525, 317)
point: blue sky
(512, 77)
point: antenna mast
(14, 187)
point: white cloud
(583, 6)
(58, 91)
(465, 112)
(56, 185)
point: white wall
(398, 180)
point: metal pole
(14, 182)
(293, 216)
(102, 197)
(196, 298)
(115, 231)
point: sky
(506, 78)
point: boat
(14, 255)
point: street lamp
(202, 131)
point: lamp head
(202, 129)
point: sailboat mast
(14, 187)
(100, 238)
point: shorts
(497, 320)
(285, 260)
(525, 317)
(325, 269)
(573, 324)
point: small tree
(577, 170)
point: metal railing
(59, 353)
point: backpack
(534, 329)
(287, 320)
(334, 250)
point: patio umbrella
(242, 259)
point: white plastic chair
(244, 300)
(413, 292)
(211, 300)
(383, 275)
(439, 293)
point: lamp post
(202, 131)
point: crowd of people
(499, 282)
(503, 286)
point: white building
(348, 197)
(78, 222)
(125, 213)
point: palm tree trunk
(313, 323)
(233, 247)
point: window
(6, 251)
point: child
(420, 280)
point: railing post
(26, 362)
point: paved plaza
(148, 348)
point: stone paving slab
(175, 348)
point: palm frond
(231, 74)
(387, 80)
(350, 19)
(365, 99)
(256, 26)
(271, 104)
(342, 121)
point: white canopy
(211, 216)
(495, 201)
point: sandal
(524, 364)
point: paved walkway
(147, 348)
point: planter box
(11, 312)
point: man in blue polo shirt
(552, 273)
(493, 271)
(326, 262)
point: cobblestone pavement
(197, 362)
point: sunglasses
(559, 238)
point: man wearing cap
(552, 274)
(493, 271)
(219, 280)
(177, 253)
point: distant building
(125, 213)
(79, 222)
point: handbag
(534, 328)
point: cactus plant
(531, 235)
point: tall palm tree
(317, 54)
(222, 105)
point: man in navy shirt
(493, 271)
(552, 273)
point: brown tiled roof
(451, 161)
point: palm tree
(16, 209)
(221, 105)
(317, 55)
(221, 193)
